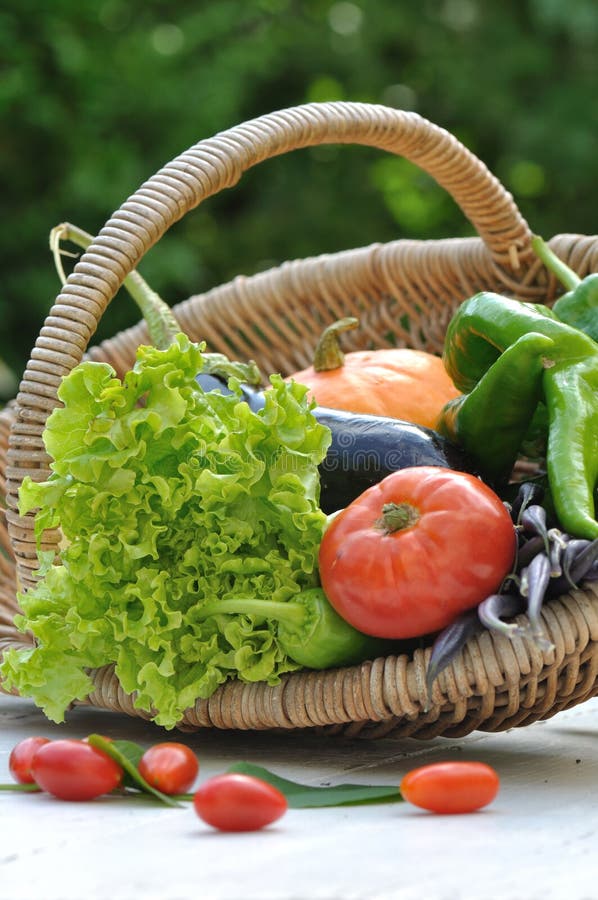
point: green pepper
(470, 420)
(579, 306)
(571, 392)
(562, 374)
(310, 631)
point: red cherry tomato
(236, 802)
(451, 787)
(415, 550)
(74, 770)
(169, 767)
(21, 755)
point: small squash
(406, 384)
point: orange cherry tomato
(451, 787)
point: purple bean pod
(534, 584)
(579, 567)
(529, 548)
(533, 521)
(584, 561)
(448, 643)
(494, 609)
(592, 573)
(528, 494)
(578, 558)
(558, 544)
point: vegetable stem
(160, 319)
(291, 612)
(565, 275)
(310, 631)
(398, 516)
(328, 355)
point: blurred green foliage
(95, 97)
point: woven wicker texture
(274, 318)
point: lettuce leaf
(167, 497)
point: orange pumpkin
(412, 385)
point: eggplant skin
(365, 449)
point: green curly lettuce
(167, 497)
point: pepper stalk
(310, 631)
(579, 306)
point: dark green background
(96, 96)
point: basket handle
(205, 169)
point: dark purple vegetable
(533, 586)
(592, 573)
(578, 562)
(558, 545)
(528, 549)
(533, 521)
(528, 493)
(449, 642)
(496, 608)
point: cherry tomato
(412, 552)
(451, 787)
(169, 767)
(74, 770)
(236, 802)
(21, 755)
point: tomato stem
(397, 516)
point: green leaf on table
(303, 796)
(23, 788)
(127, 754)
(133, 752)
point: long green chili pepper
(470, 420)
(482, 330)
(572, 452)
(310, 631)
(579, 306)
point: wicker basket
(275, 317)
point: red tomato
(74, 770)
(236, 802)
(169, 767)
(21, 755)
(415, 550)
(451, 787)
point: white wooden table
(538, 839)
